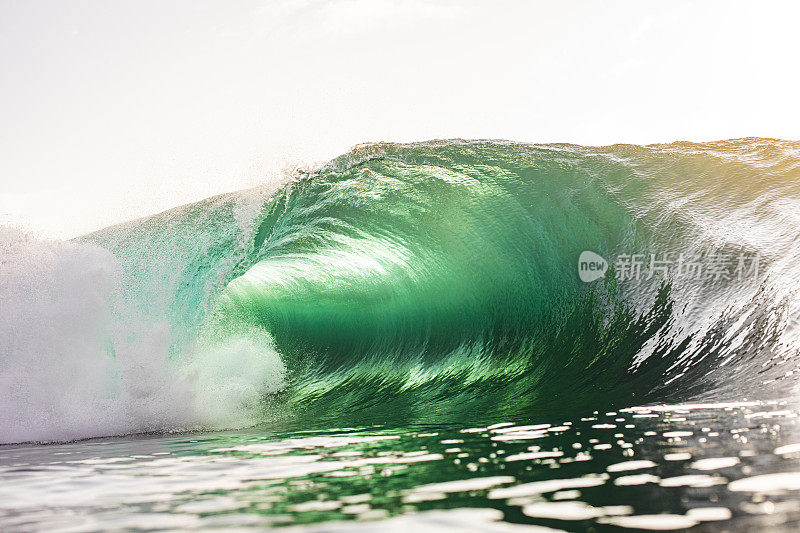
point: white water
(77, 360)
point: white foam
(74, 363)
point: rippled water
(407, 333)
(710, 466)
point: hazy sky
(111, 110)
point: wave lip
(422, 282)
(456, 260)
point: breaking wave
(420, 283)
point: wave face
(437, 282)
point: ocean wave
(418, 283)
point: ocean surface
(446, 336)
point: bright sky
(114, 110)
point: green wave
(439, 280)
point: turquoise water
(401, 337)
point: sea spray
(431, 282)
(77, 360)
